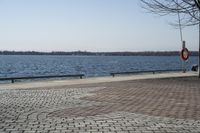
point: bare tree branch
(187, 9)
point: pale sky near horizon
(87, 25)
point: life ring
(184, 54)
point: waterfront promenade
(160, 103)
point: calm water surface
(32, 65)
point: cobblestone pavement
(143, 106)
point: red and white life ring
(184, 54)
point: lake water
(32, 65)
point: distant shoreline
(85, 53)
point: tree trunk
(199, 51)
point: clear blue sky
(91, 25)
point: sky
(88, 25)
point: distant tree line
(85, 53)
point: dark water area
(34, 65)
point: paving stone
(143, 106)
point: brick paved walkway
(143, 106)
